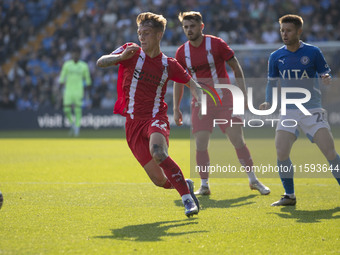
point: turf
(90, 196)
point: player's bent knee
(201, 146)
(159, 153)
(159, 156)
(239, 143)
(282, 155)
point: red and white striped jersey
(142, 83)
(207, 62)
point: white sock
(251, 176)
(186, 197)
(290, 195)
(204, 182)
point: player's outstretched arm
(108, 60)
(178, 95)
(111, 60)
(195, 90)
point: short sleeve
(120, 50)
(180, 57)
(177, 72)
(321, 64)
(225, 51)
(273, 71)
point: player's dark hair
(291, 18)
(190, 16)
(152, 20)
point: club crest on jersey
(304, 60)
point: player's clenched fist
(113, 59)
(129, 51)
(264, 106)
(326, 79)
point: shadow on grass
(207, 202)
(304, 216)
(150, 231)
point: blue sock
(286, 172)
(335, 167)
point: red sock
(244, 157)
(168, 185)
(175, 176)
(203, 161)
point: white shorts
(309, 124)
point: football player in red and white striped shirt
(142, 81)
(205, 57)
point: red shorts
(206, 122)
(138, 136)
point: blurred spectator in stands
(108, 101)
(16, 72)
(6, 102)
(24, 103)
(96, 99)
(104, 24)
(35, 102)
(270, 35)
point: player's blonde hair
(153, 20)
(292, 18)
(197, 16)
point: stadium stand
(28, 78)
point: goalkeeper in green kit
(73, 74)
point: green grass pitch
(90, 196)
